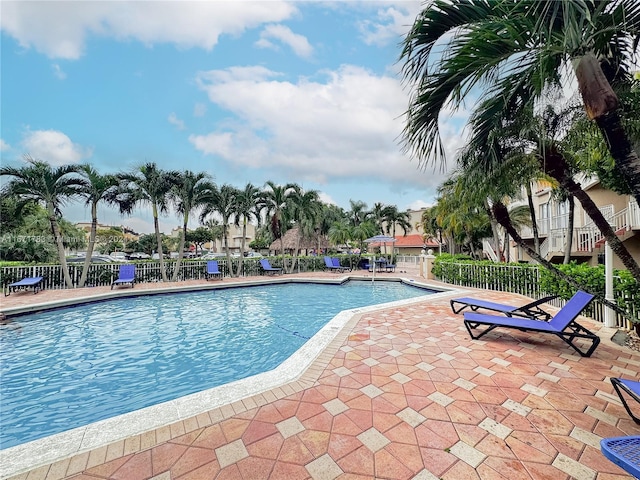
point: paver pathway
(404, 393)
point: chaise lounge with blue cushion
(562, 324)
(333, 264)
(212, 270)
(530, 310)
(267, 268)
(630, 388)
(126, 275)
(24, 284)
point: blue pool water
(69, 367)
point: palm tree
(378, 215)
(358, 212)
(223, 202)
(190, 192)
(150, 185)
(95, 189)
(275, 200)
(38, 182)
(516, 51)
(246, 209)
(305, 209)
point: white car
(213, 256)
(253, 255)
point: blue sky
(305, 92)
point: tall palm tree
(305, 209)
(358, 212)
(275, 200)
(223, 202)
(39, 182)
(95, 188)
(246, 210)
(147, 184)
(190, 192)
(378, 215)
(516, 51)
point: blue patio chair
(336, 264)
(563, 324)
(212, 270)
(127, 274)
(630, 388)
(24, 284)
(268, 269)
(624, 452)
(531, 309)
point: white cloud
(298, 43)
(54, 147)
(4, 146)
(418, 205)
(326, 198)
(391, 25)
(58, 72)
(174, 120)
(199, 110)
(60, 29)
(346, 126)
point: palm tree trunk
(92, 242)
(156, 226)
(555, 165)
(569, 245)
(183, 235)
(601, 104)
(242, 242)
(55, 229)
(494, 229)
(225, 232)
(534, 222)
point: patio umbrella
(379, 239)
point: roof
(290, 237)
(415, 240)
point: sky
(248, 91)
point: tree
(516, 51)
(190, 191)
(358, 212)
(94, 189)
(200, 236)
(150, 185)
(223, 202)
(52, 187)
(246, 210)
(305, 209)
(275, 200)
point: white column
(609, 313)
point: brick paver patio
(402, 393)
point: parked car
(213, 256)
(253, 255)
(95, 259)
(138, 256)
(120, 256)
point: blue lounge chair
(336, 264)
(212, 270)
(389, 267)
(632, 389)
(530, 310)
(127, 274)
(624, 452)
(333, 264)
(267, 268)
(24, 284)
(562, 324)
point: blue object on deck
(24, 284)
(127, 274)
(632, 389)
(267, 268)
(213, 270)
(624, 452)
(563, 324)
(532, 309)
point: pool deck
(400, 392)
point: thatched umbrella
(292, 239)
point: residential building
(587, 244)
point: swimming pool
(70, 367)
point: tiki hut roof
(306, 243)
